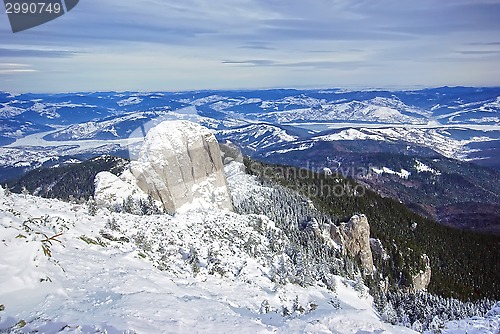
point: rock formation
(179, 163)
(354, 236)
(423, 278)
(336, 234)
(230, 152)
(377, 248)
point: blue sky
(154, 45)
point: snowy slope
(257, 136)
(452, 143)
(376, 110)
(193, 272)
(115, 128)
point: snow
(492, 106)
(485, 120)
(49, 110)
(112, 190)
(206, 100)
(404, 174)
(349, 134)
(476, 325)
(438, 139)
(34, 150)
(119, 273)
(7, 111)
(421, 168)
(227, 103)
(89, 130)
(379, 109)
(129, 101)
(301, 147)
(260, 135)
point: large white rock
(357, 241)
(180, 163)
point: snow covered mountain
(41, 127)
(259, 136)
(207, 271)
(275, 263)
(451, 143)
(377, 110)
(280, 125)
(447, 105)
(212, 271)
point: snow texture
(120, 273)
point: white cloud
(167, 45)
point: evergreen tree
(6, 191)
(92, 206)
(25, 191)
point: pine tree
(389, 314)
(193, 260)
(25, 191)
(92, 206)
(265, 307)
(7, 191)
(359, 287)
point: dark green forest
(464, 264)
(67, 182)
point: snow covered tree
(193, 260)
(437, 324)
(417, 326)
(6, 191)
(25, 191)
(91, 206)
(265, 307)
(389, 314)
(359, 287)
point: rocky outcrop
(312, 226)
(336, 235)
(179, 163)
(421, 280)
(230, 152)
(378, 249)
(354, 236)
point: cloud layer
(194, 44)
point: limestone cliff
(354, 236)
(179, 163)
(421, 280)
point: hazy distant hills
(434, 118)
(447, 105)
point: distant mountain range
(453, 131)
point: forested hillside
(464, 264)
(74, 181)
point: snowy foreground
(198, 271)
